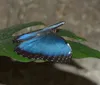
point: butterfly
(44, 44)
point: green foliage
(67, 33)
(82, 51)
(7, 46)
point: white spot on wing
(69, 45)
(69, 53)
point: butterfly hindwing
(47, 47)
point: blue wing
(28, 36)
(48, 46)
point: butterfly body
(44, 44)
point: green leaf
(67, 33)
(81, 51)
(6, 45)
(7, 32)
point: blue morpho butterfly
(44, 44)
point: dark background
(16, 73)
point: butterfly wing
(54, 26)
(28, 36)
(49, 47)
